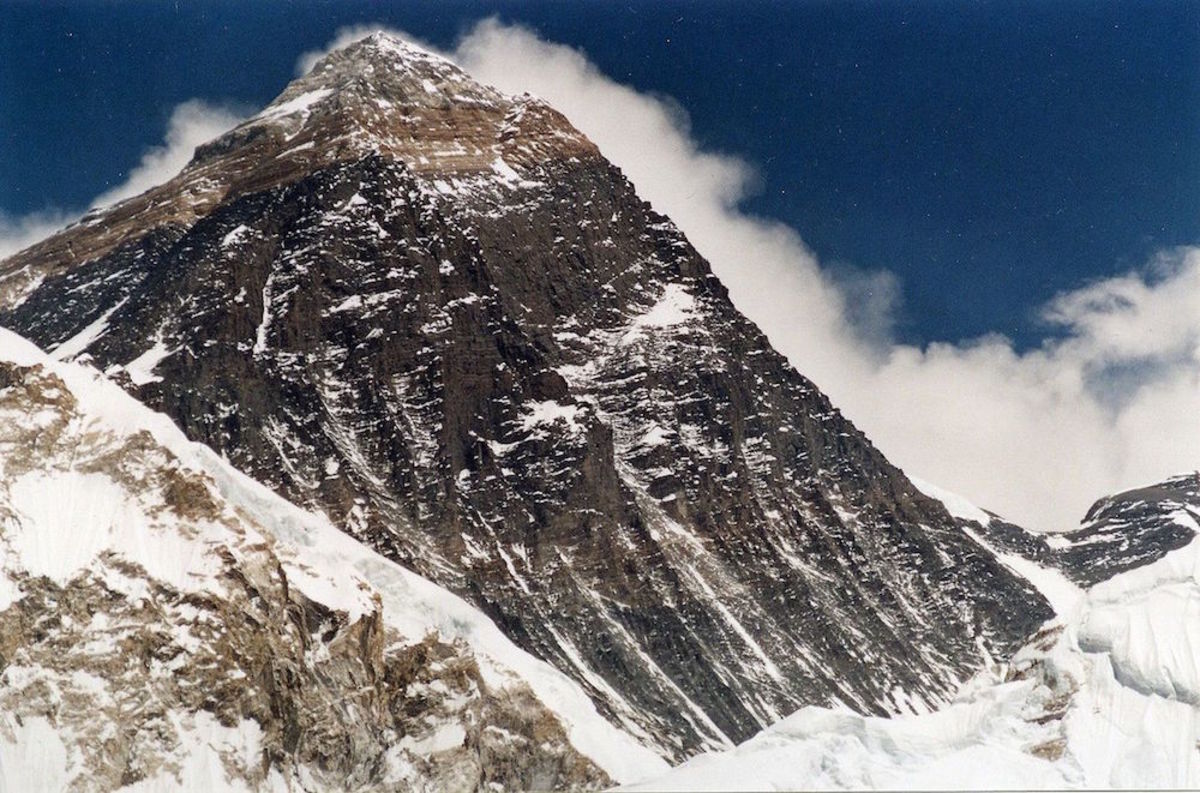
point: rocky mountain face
(1119, 533)
(1107, 696)
(166, 622)
(437, 315)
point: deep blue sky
(990, 154)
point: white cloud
(1109, 401)
(20, 232)
(192, 122)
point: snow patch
(676, 307)
(33, 756)
(505, 171)
(235, 236)
(300, 104)
(1063, 595)
(66, 519)
(955, 504)
(444, 738)
(141, 368)
(548, 412)
(84, 338)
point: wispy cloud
(18, 233)
(192, 123)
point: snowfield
(1106, 696)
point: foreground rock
(165, 623)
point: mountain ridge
(1120, 532)
(503, 368)
(167, 622)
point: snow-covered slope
(167, 621)
(1107, 696)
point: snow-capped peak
(403, 51)
(388, 72)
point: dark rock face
(1132, 529)
(454, 328)
(1011, 538)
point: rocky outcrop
(436, 314)
(151, 631)
(1132, 529)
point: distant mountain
(1105, 697)
(1119, 533)
(167, 623)
(437, 315)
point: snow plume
(18, 233)
(1107, 402)
(192, 123)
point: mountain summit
(382, 95)
(379, 95)
(439, 316)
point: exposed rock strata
(169, 640)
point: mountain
(1105, 697)
(438, 316)
(1120, 532)
(166, 623)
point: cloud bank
(1110, 400)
